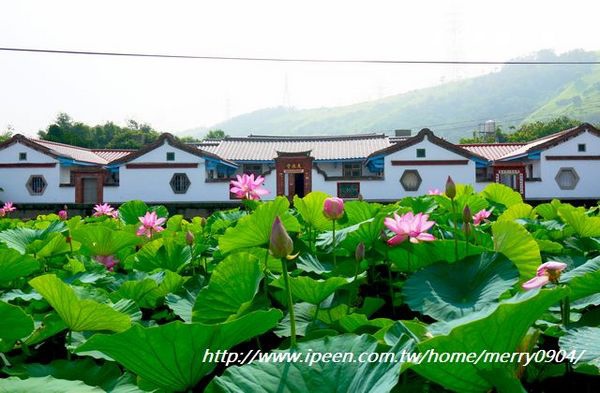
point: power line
(297, 60)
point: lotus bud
(202, 222)
(359, 254)
(189, 238)
(450, 188)
(2, 212)
(63, 215)
(467, 217)
(281, 245)
(333, 208)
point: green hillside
(515, 94)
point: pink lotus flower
(333, 208)
(109, 261)
(8, 207)
(247, 187)
(63, 215)
(409, 226)
(480, 216)
(150, 224)
(547, 272)
(105, 210)
(435, 191)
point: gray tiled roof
(265, 148)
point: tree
(109, 135)
(528, 131)
(499, 136)
(216, 134)
(7, 134)
(538, 129)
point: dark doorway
(299, 184)
(90, 190)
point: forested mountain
(511, 96)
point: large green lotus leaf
(21, 239)
(449, 291)
(519, 210)
(163, 253)
(231, 288)
(359, 211)
(496, 329)
(585, 342)
(49, 325)
(584, 280)
(171, 356)
(102, 240)
(547, 211)
(14, 265)
(513, 240)
(311, 209)
(78, 314)
(54, 244)
(14, 324)
(85, 370)
(147, 293)
(131, 211)
(45, 384)
(583, 225)
(322, 376)
(426, 253)
(311, 290)
(304, 314)
(549, 246)
(254, 229)
(368, 232)
(499, 193)
(181, 305)
(475, 202)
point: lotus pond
(133, 300)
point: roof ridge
(494, 144)
(36, 140)
(253, 137)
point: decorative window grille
(180, 183)
(36, 185)
(410, 180)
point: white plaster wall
(14, 180)
(152, 185)
(10, 155)
(433, 176)
(588, 186)
(160, 155)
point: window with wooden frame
(256, 169)
(352, 169)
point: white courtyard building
(375, 166)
